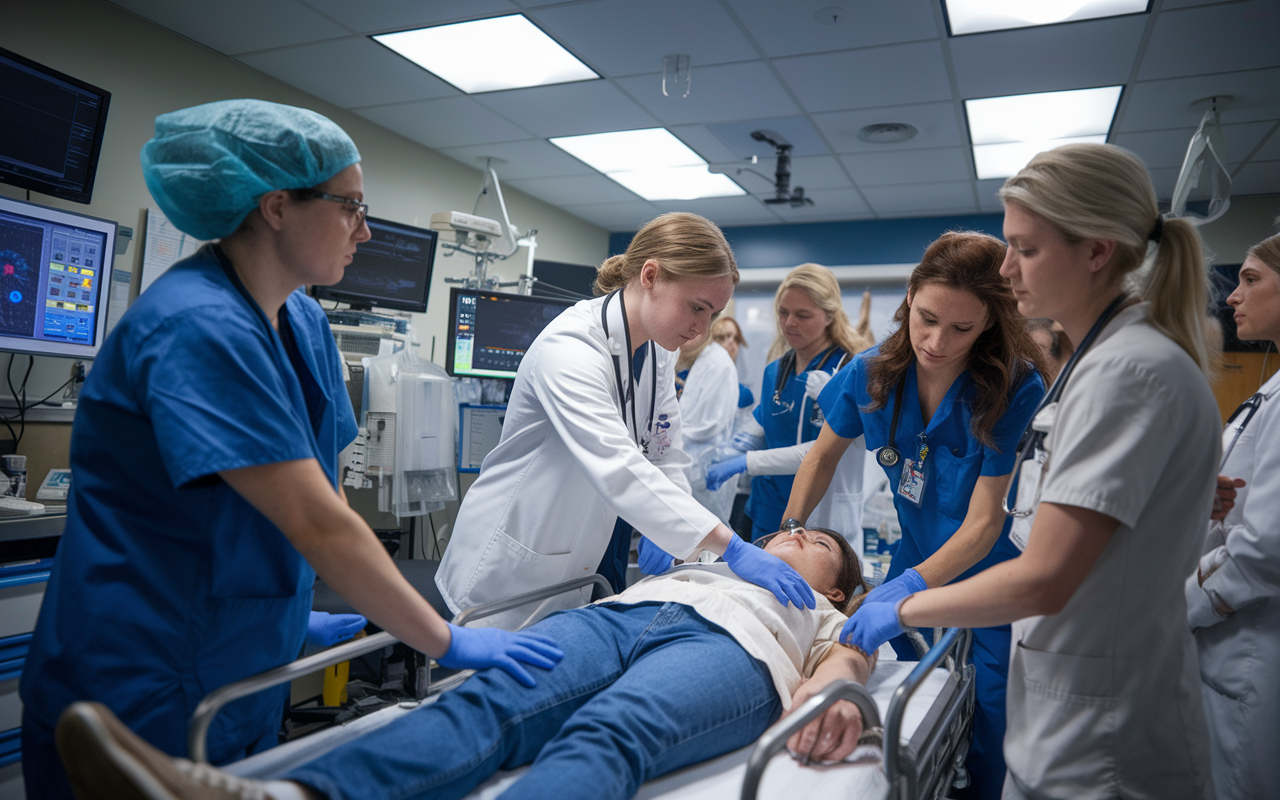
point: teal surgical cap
(207, 165)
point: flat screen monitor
(489, 332)
(391, 270)
(52, 129)
(55, 267)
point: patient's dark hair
(849, 580)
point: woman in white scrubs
(593, 433)
(707, 387)
(1232, 596)
(1104, 693)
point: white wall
(149, 71)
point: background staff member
(943, 401)
(205, 450)
(593, 433)
(707, 384)
(1104, 693)
(1231, 597)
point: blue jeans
(643, 690)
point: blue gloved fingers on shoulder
(764, 569)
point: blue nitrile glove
(478, 648)
(722, 471)
(899, 588)
(325, 629)
(653, 560)
(872, 625)
(754, 565)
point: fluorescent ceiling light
(977, 16)
(1009, 131)
(486, 55)
(651, 162)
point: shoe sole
(97, 765)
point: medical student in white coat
(707, 387)
(1233, 597)
(592, 433)
(1104, 693)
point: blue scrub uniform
(779, 415)
(168, 584)
(953, 464)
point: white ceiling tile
(936, 125)
(1219, 38)
(1271, 149)
(703, 142)
(1168, 148)
(623, 37)
(792, 28)
(449, 122)
(803, 137)
(1168, 4)
(908, 166)
(828, 204)
(385, 16)
(901, 74)
(937, 198)
(1257, 177)
(569, 109)
(744, 210)
(616, 216)
(1080, 55)
(1163, 180)
(1153, 105)
(987, 199)
(238, 26)
(716, 93)
(350, 72)
(530, 158)
(573, 190)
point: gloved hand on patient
(895, 589)
(325, 629)
(872, 625)
(478, 648)
(651, 559)
(754, 565)
(722, 471)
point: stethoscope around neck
(626, 396)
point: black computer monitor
(55, 267)
(50, 129)
(391, 270)
(489, 332)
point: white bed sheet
(717, 779)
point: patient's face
(815, 555)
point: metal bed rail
(198, 728)
(922, 768)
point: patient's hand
(833, 736)
(1224, 499)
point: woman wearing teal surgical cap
(205, 452)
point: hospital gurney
(931, 734)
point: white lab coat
(708, 407)
(543, 507)
(1240, 652)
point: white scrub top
(708, 408)
(543, 507)
(1104, 698)
(1240, 652)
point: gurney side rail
(198, 728)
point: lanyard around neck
(628, 396)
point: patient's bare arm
(834, 735)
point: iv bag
(1203, 192)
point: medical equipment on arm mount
(408, 431)
(486, 239)
(1032, 437)
(1204, 170)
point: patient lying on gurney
(679, 668)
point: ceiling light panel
(979, 16)
(651, 162)
(1006, 132)
(488, 55)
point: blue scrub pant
(643, 690)
(991, 672)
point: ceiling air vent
(887, 133)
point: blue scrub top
(955, 460)
(168, 584)
(780, 416)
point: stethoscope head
(888, 456)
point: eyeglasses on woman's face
(358, 210)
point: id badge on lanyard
(1030, 479)
(912, 483)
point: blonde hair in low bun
(684, 245)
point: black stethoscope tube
(624, 395)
